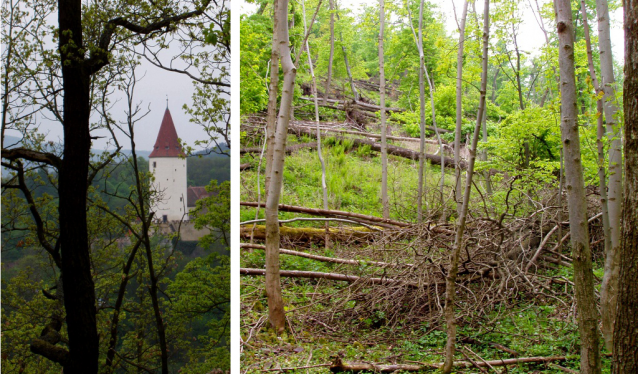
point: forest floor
(504, 309)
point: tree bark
(459, 108)
(626, 324)
(384, 129)
(583, 276)
(608, 291)
(273, 284)
(609, 288)
(450, 288)
(78, 286)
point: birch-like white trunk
(273, 285)
(273, 88)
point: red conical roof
(167, 144)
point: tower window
(154, 164)
(164, 218)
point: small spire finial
(167, 102)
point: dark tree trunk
(79, 300)
(626, 326)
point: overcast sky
(152, 90)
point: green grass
(353, 179)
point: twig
(298, 367)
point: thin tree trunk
(609, 288)
(488, 181)
(583, 276)
(332, 48)
(422, 114)
(609, 285)
(450, 290)
(519, 88)
(355, 93)
(384, 144)
(146, 217)
(423, 70)
(459, 109)
(273, 284)
(324, 188)
(271, 117)
(438, 137)
(626, 324)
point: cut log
(324, 258)
(392, 149)
(246, 166)
(338, 366)
(330, 213)
(356, 104)
(289, 149)
(370, 135)
(308, 234)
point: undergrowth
(528, 325)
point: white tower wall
(170, 185)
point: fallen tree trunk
(308, 234)
(338, 366)
(328, 276)
(288, 150)
(246, 166)
(374, 136)
(324, 258)
(355, 104)
(330, 213)
(392, 149)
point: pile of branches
(402, 279)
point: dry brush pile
(396, 274)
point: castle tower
(168, 165)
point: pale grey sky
(152, 89)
